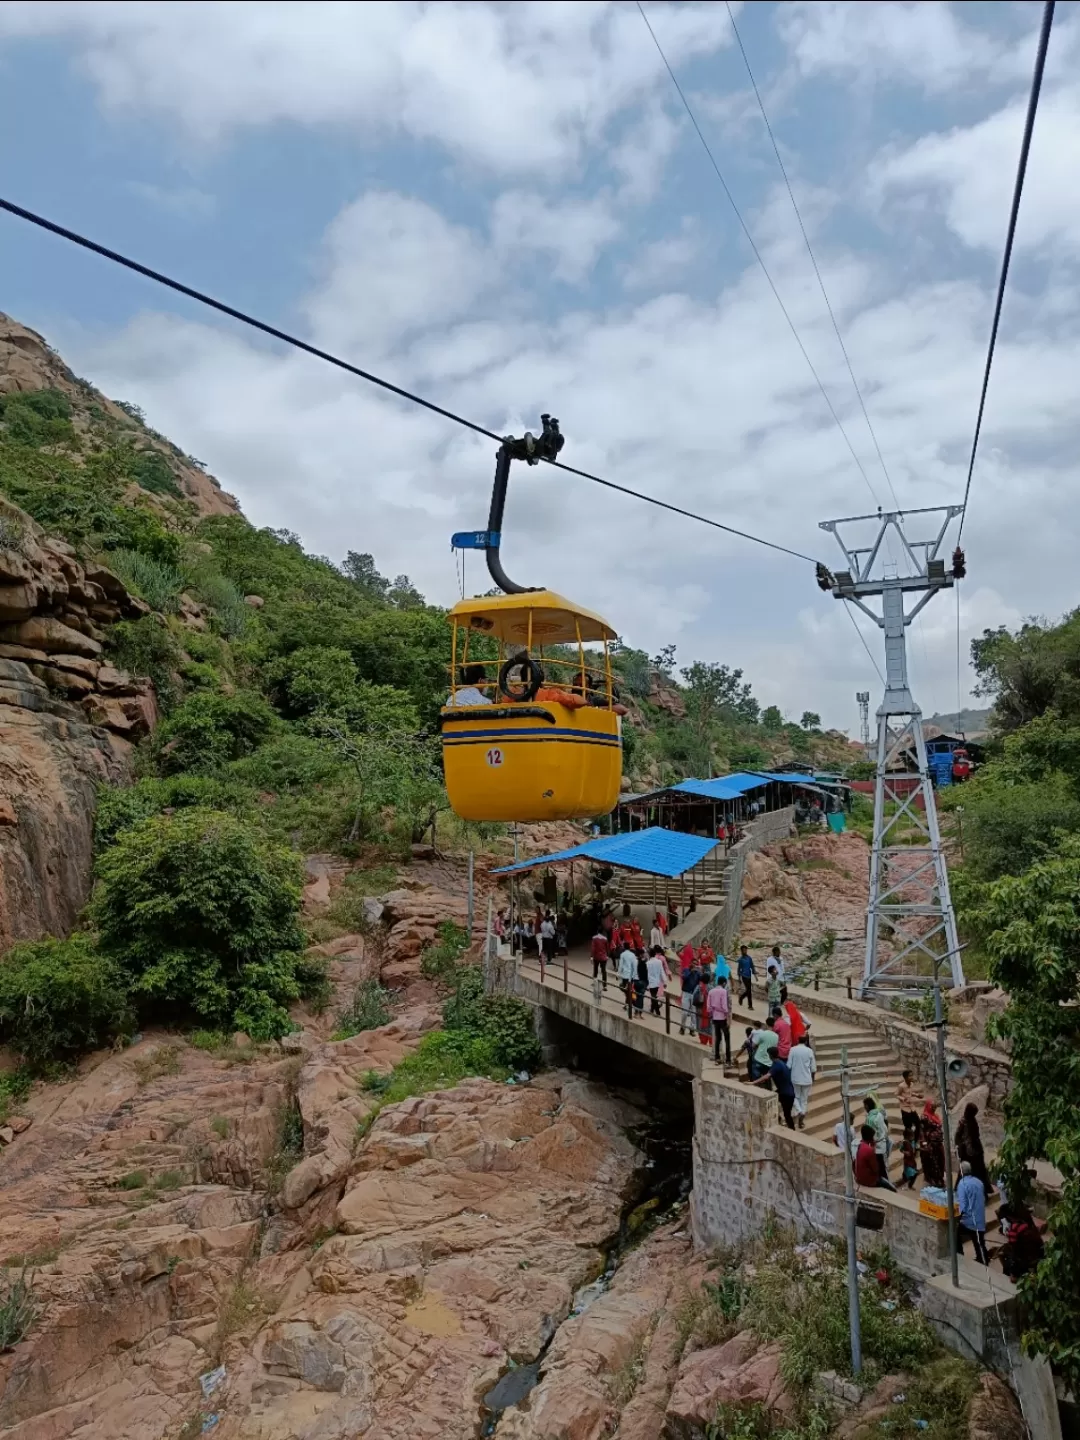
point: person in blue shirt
(971, 1199)
(745, 966)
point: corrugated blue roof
(790, 778)
(722, 787)
(654, 851)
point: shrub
(369, 1010)
(499, 1022)
(203, 918)
(121, 807)
(207, 731)
(155, 581)
(152, 471)
(59, 998)
(145, 647)
(439, 960)
(37, 417)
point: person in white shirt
(658, 974)
(627, 969)
(656, 937)
(839, 1131)
(547, 937)
(774, 959)
(802, 1063)
(468, 692)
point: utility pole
(862, 698)
(854, 1320)
(909, 884)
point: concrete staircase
(708, 881)
(875, 1066)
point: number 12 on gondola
(494, 757)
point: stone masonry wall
(747, 1168)
(723, 931)
(916, 1048)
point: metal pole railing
(667, 1014)
(849, 1206)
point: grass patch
(168, 1180)
(14, 1088)
(440, 959)
(245, 1305)
(134, 1180)
(158, 1064)
(221, 1047)
(18, 1308)
(939, 1395)
(369, 1009)
(346, 909)
(290, 1145)
(220, 1126)
(624, 1382)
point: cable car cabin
(531, 730)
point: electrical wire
(203, 299)
(862, 637)
(1018, 190)
(810, 252)
(753, 246)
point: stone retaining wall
(767, 829)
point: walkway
(876, 1064)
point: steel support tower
(862, 699)
(910, 922)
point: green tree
(811, 720)
(714, 693)
(772, 719)
(1029, 926)
(208, 730)
(1029, 672)
(202, 917)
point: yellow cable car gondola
(532, 728)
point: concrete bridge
(747, 1165)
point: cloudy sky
(506, 208)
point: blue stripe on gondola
(523, 737)
(532, 731)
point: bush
(18, 1309)
(59, 998)
(207, 731)
(439, 960)
(369, 1010)
(121, 807)
(203, 919)
(152, 471)
(503, 1025)
(154, 581)
(145, 647)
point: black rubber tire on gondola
(532, 678)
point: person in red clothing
(686, 958)
(639, 939)
(799, 1027)
(661, 921)
(782, 1028)
(867, 1171)
(599, 952)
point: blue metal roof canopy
(654, 851)
(730, 787)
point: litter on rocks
(899, 1398)
(212, 1380)
(209, 1423)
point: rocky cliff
(67, 720)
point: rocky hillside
(67, 722)
(29, 366)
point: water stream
(661, 1185)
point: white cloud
(969, 172)
(923, 43)
(517, 87)
(707, 404)
(572, 232)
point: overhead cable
(245, 319)
(1018, 190)
(753, 246)
(810, 252)
(862, 637)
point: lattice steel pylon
(910, 908)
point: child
(911, 1164)
(747, 1049)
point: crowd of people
(778, 1055)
